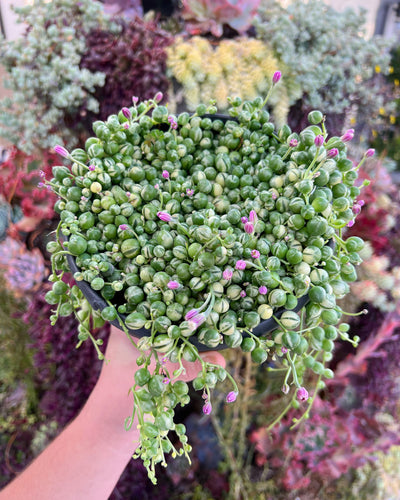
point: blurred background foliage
(80, 61)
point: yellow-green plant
(239, 67)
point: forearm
(84, 461)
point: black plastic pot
(98, 303)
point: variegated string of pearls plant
(202, 227)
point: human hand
(111, 396)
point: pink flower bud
(243, 294)
(241, 265)
(361, 203)
(231, 396)
(123, 227)
(255, 254)
(126, 125)
(356, 208)
(263, 290)
(348, 135)
(350, 223)
(165, 174)
(227, 274)
(285, 389)
(191, 314)
(277, 76)
(196, 321)
(173, 285)
(207, 408)
(60, 150)
(164, 216)
(370, 152)
(126, 112)
(158, 97)
(318, 141)
(135, 99)
(332, 153)
(302, 394)
(249, 228)
(253, 216)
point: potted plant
(200, 231)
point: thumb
(213, 357)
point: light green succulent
(47, 85)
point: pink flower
(277, 76)
(356, 208)
(126, 125)
(207, 408)
(166, 381)
(263, 290)
(370, 152)
(244, 220)
(302, 394)
(158, 97)
(189, 192)
(40, 185)
(332, 153)
(243, 294)
(126, 112)
(231, 396)
(253, 216)
(350, 223)
(123, 227)
(241, 265)
(191, 314)
(128, 194)
(348, 135)
(42, 174)
(156, 186)
(361, 203)
(164, 216)
(196, 321)
(227, 274)
(284, 350)
(165, 174)
(293, 143)
(135, 99)
(249, 228)
(92, 168)
(318, 141)
(60, 150)
(173, 285)
(255, 254)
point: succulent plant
(48, 86)
(327, 54)
(239, 67)
(210, 16)
(132, 60)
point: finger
(213, 357)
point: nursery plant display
(198, 228)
